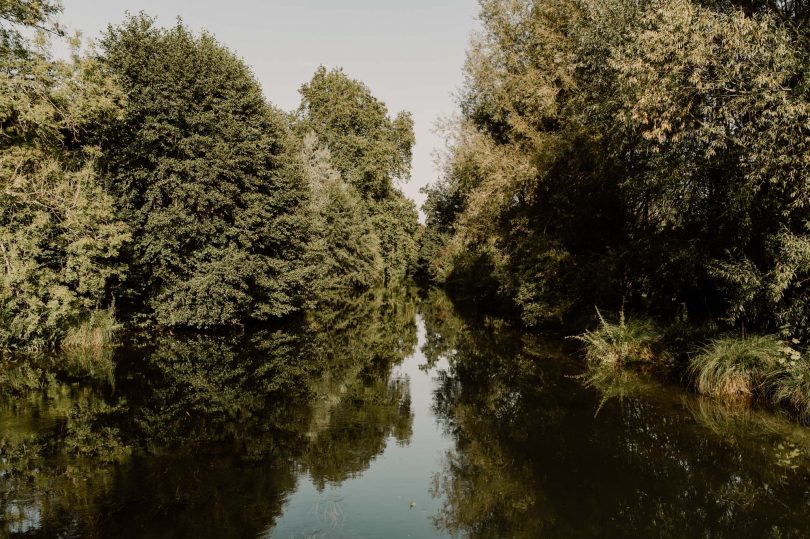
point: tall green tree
(653, 155)
(372, 153)
(369, 149)
(345, 247)
(208, 177)
(396, 223)
(59, 235)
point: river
(390, 417)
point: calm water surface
(392, 417)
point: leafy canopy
(207, 175)
(59, 235)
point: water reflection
(203, 436)
(532, 458)
(385, 416)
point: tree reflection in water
(210, 436)
(532, 457)
(204, 435)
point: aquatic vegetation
(754, 367)
(736, 368)
(789, 385)
(88, 348)
(623, 343)
(725, 418)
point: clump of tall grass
(87, 349)
(94, 333)
(623, 343)
(736, 368)
(614, 349)
(789, 384)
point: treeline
(149, 180)
(651, 157)
(654, 155)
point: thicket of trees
(653, 155)
(372, 154)
(60, 237)
(649, 155)
(151, 178)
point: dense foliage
(18, 16)
(345, 246)
(59, 235)
(204, 171)
(648, 154)
(372, 153)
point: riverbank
(741, 370)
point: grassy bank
(744, 370)
(85, 351)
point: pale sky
(410, 53)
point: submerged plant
(736, 368)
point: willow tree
(59, 235)
(206, 174)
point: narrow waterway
(392, 497)
(392, 417)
